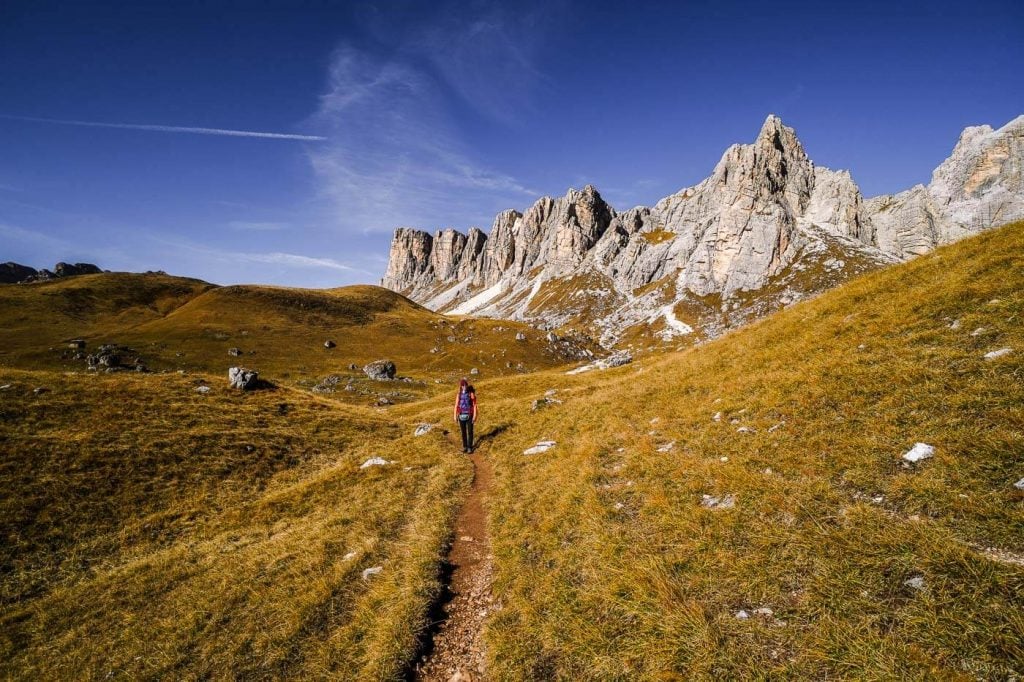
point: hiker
(465, 413)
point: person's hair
(463, 384)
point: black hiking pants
(467, 433)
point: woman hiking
(465, 413)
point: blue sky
(442, 114)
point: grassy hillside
(151, 531)
(179, 324)
(155, 532)
(610, 566)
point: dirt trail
(456, 653)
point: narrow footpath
(456, 652)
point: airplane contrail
(170, 129)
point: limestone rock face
(765, 216)
(979, 186)
(12, 273)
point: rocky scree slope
(768, 227)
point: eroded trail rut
(456, 651)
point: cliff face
(767, 221)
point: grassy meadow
(155, 532)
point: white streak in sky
(170, 129)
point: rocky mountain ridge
(766, 228)
(16, 273)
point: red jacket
(472, 403)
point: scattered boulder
(327, 385)
(5, 387)
(520, 336)
(920, 451)
(474, 371)
(541, 446)
(998, 353)
(369, 572)
(717, 417)
(742, 615)
(712, 502)
(778, 426)
(541, 403)
(978, 332)
(70, 270)
(746, 429)
(423, 429)
(202, 389)
(329, 344)
(1019, 485)
(550, 392)
(374, 462)
(40, 390)
(954, 325)
(384, 400)
(14, 273)
(243, 379)
(353, 366)
(235, 351)
(380, 370)
(77, 344)
(615, 360)
(667, 447)
(764, 611)
(552, 337)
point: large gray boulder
(243, 379)
(380, 370)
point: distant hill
(173, 323)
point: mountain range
(767, 228)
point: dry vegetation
(152, 532)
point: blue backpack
(465, 406)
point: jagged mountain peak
(765, 228)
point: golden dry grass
(151, 532)
(609, 567)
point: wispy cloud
(247, 226)
(169, 129)
(296, 261)
(394, 157)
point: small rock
(5, 387)
(655, 420)
(384, 400)
(349, 557)
(329, 344)
(919, 452)
(77, 344)
(520, 336)
(742, 615)
(1019, 485)
(202, 389)
(978, 332)
(723, 459)
(619, 506)
(466, 538)
(353, 366)
(955, 324)
(541, 446)
(40, 390)
(550, 392)
(234, 351)
(764, 611)
(711, 502)
(998, 353)
(474, 371)
(423, 429)
(374, 462)
(367, 573)
(717, 417)
(746, 429)
(775, 428)
(917, 582)
(552, 337)
(667, 446)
